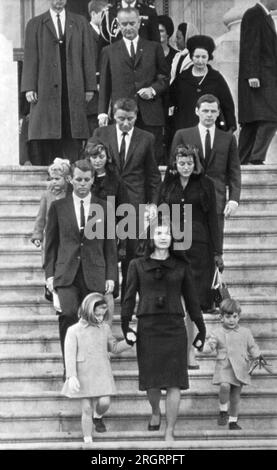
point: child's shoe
(233, 426)
(88, 440)
(222, 419)
(99, 425)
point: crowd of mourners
(105, 102)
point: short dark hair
(200, 41)
(186, 150)
(97, 5)
(83, 165)
(208, 98)
(167, 23)
(229, 306)
(126, 104)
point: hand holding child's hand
(131, 336)
(74, 384)
(36, 242)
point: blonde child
(88, 369)
(59, 172)
(234, 346)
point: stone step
(259, 307)
(261, 400)
(260, 253)
(51, 363)
(253, 223)
(16, 225)
(28, 291)
(125, 380)
(121, 420)
(245, 237)
(43, 343)
(257, 205)
(266, 190)
(40, 327)
(201, 437)
(14, 175)
(252, 271)
(16, 191)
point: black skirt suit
(200, 193)
(161, 333)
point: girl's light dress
(87, 350)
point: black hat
(167, 22)
(201, 42)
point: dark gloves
(219, 263)
(126, 329)
(201, 335)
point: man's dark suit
(120, 77)
(223, 166)
(140, 174)
(257, 106)
(79, 265)
(149, 26)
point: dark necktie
(82, 218)
(207, 145)
(60, 28)
(132, 51)
(122, 151)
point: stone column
(9, 137)
(226, 57)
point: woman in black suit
(185, 184)
(161, 279)
(197, 80)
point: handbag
(47, 294)
(219, 289)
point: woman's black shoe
(154, 427)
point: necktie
(207, 145)
(82, 218)
(122, 151)
(60, 28)
(132, 51)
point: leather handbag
(219, 289)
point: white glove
(109, 286)
(49, 283)
(73, 384)
(103, 119)
(230, 208)
(131, 336)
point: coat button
(81, 244)
(78, 257)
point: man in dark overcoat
(58, 78)
(257, 82)
(135, 68)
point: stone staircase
(33, 414)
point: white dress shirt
(203, 133)
(77, 207)
(128, 44)
(127, 139)
(95, 27)
(55, 20)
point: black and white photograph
(138, 229)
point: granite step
(262, 253)
(252, 223)
(199, 381)
(121, 420)
(51, 363)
